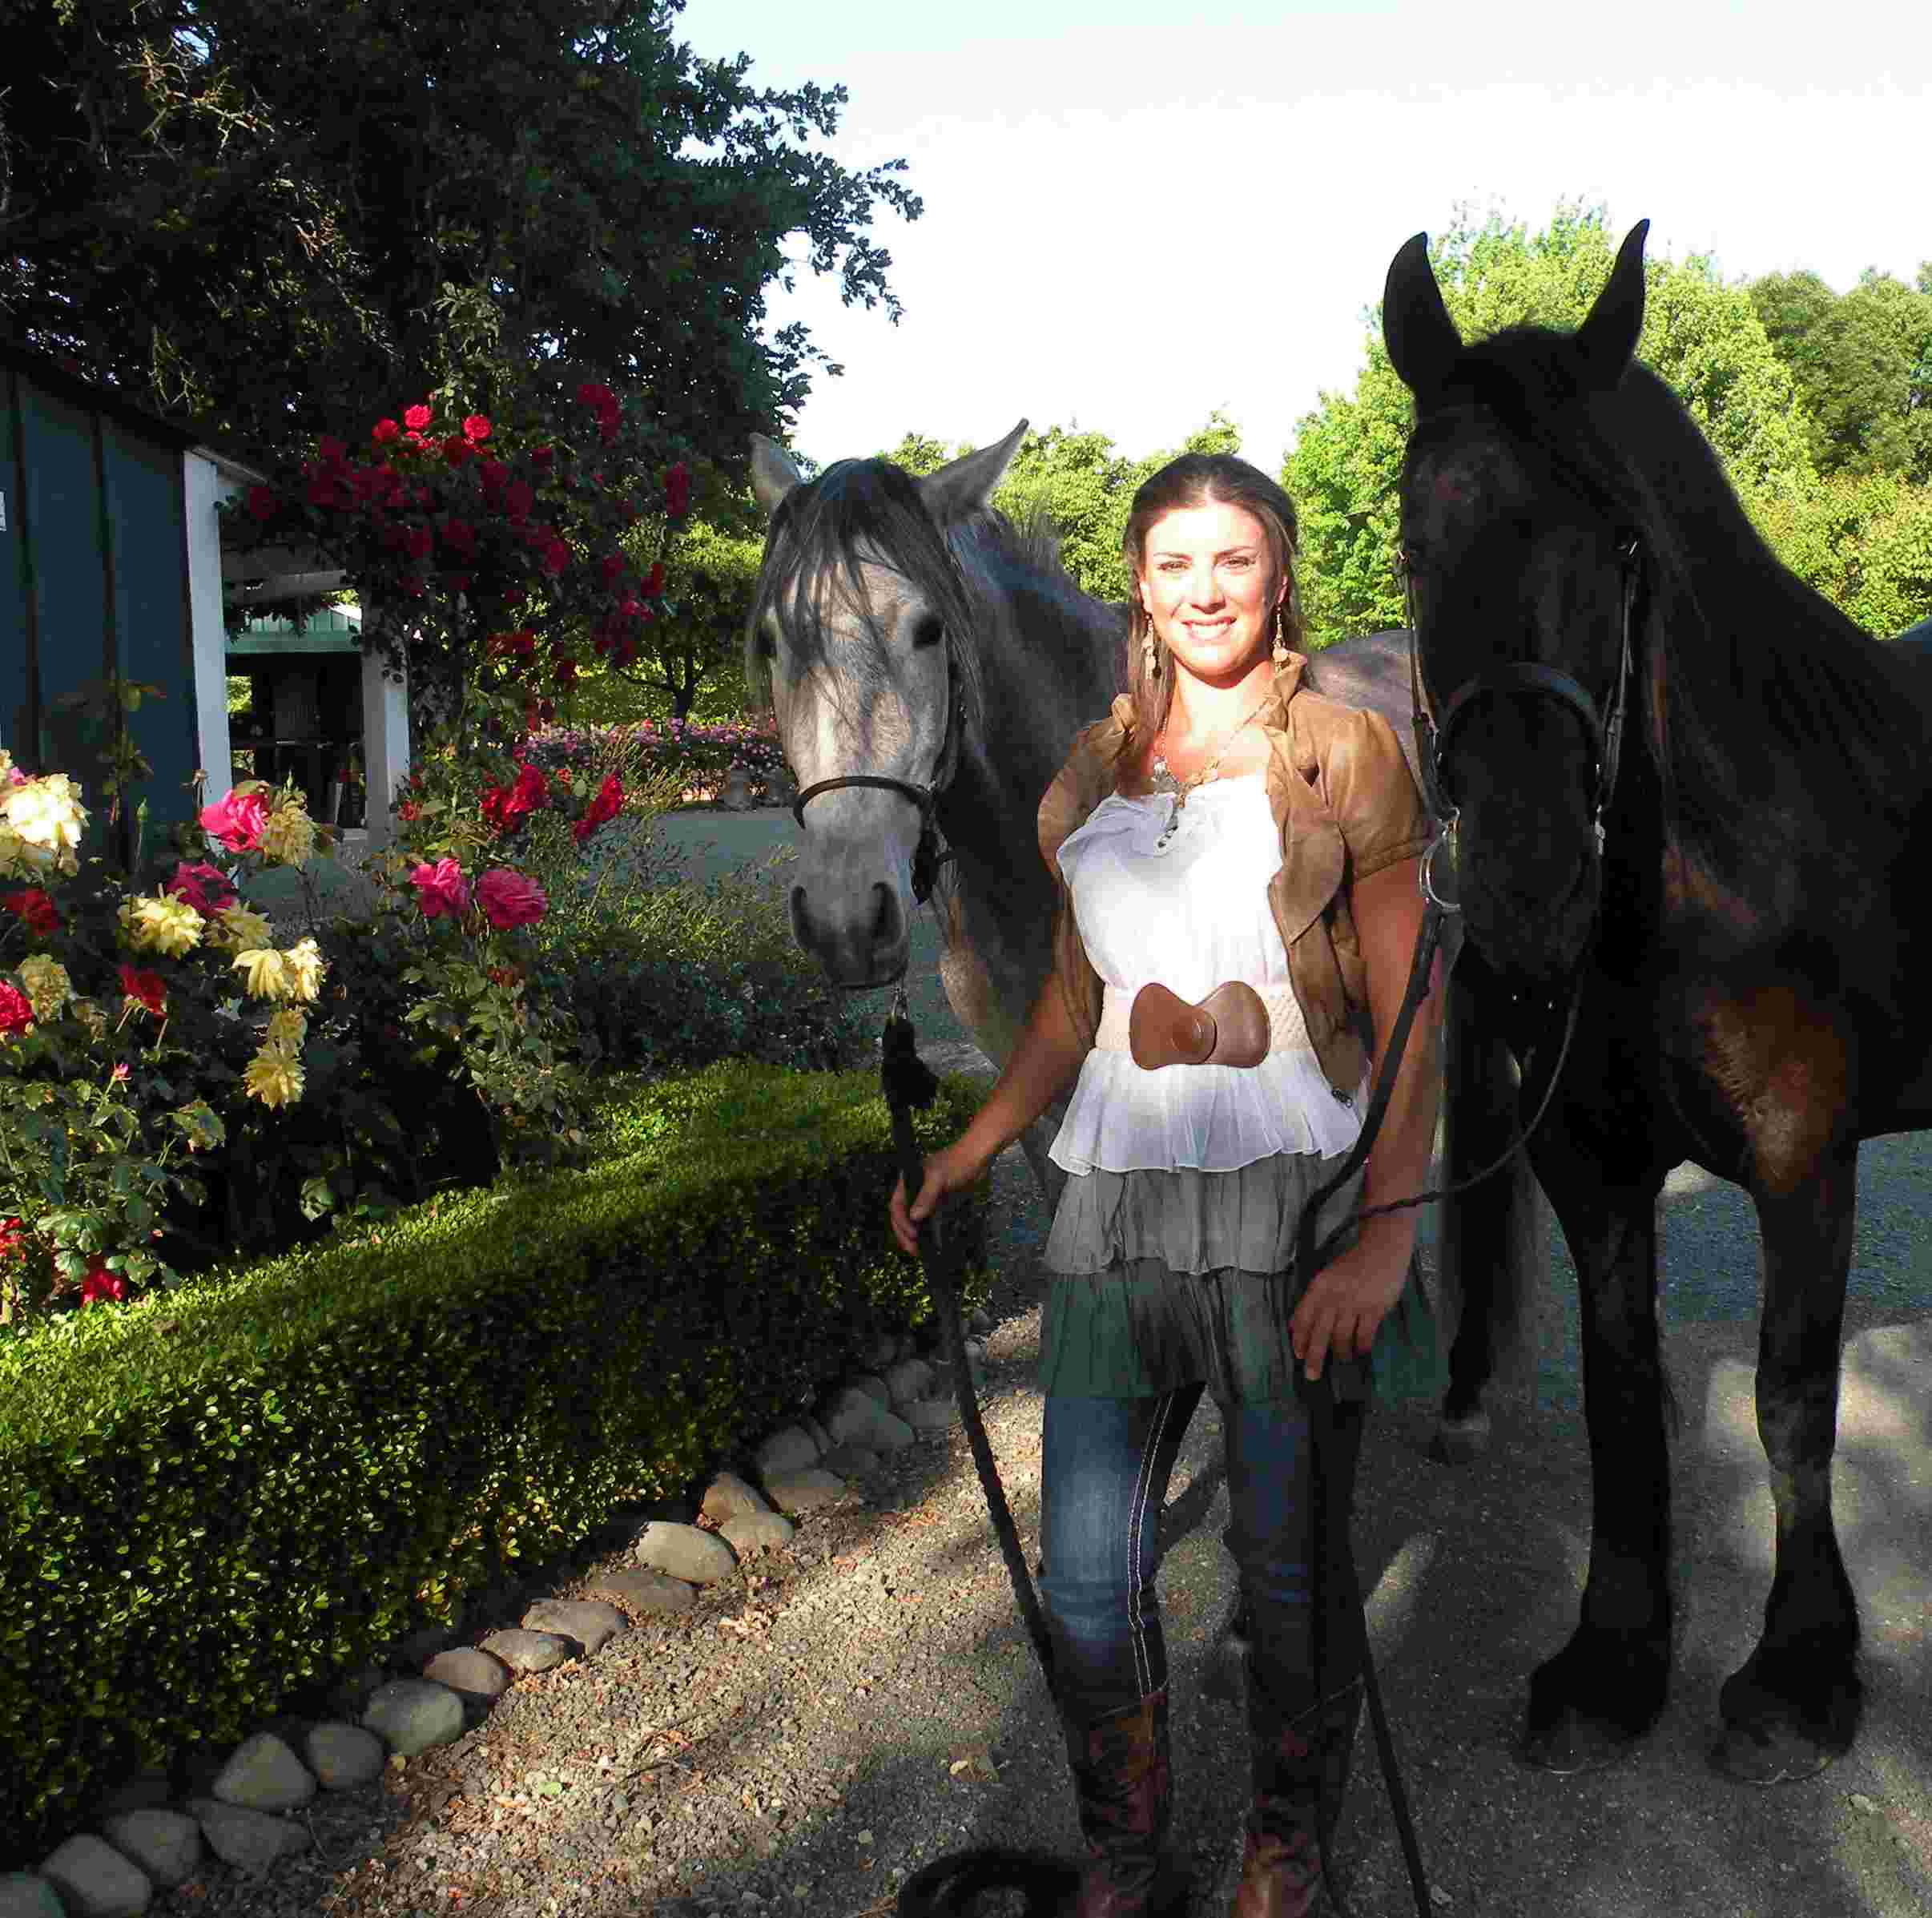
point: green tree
(277, 215)
(1702, 336)
(1864, 540)
(1080, 483)
(694, 646)
(1861, 364)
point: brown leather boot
(1121, 1776)
(1301, 1775)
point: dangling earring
(1150, 649)
(1279, 652)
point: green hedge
(225, 1493)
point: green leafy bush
(220, 1495)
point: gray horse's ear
(964, 487)
(1607, 341)
(773, 474)
(1416, 328)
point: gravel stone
(796, 1492)
(26, 1895)
(166, 1844)
(790, 1448)
(265, 1775)
(95, 1880)
(411, 1715)
(698, 1558)
(469, 1673)
(529, 1651)
(343, 1756)
(648, 1592)
(590, 1622)
(727, 1496)
(250, 1841)
(759, 1531)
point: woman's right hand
(950, 1171)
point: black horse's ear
(1607, 341)
(1416, 328)
(965, 486)
(773, 473)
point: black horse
(1736, 908)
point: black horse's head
(1517, 536)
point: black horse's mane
(856, 510)
(1748, 666)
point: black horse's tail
(1493, 1244)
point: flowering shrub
(697, 756)
(135, 1026)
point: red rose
(204, 887)
(554, 557)
(261, 503)
(457, 450)
(34, 909)
(541, 456)
(16, 1008)
(145, 990)
(612, 567)
(384, 431)
(510, 899)
(607, 804)
(459, 536)
(678, 491)
(101, 1283)
(415, 418)
(417, 542)
(331, 451)
(476, 429)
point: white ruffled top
(1191, 914)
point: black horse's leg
(1794, 1706)
(1607, 1686)
(1491, 1245)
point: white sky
(1135, 213)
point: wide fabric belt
(1237, 1023)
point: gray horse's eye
(928, 630)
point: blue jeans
(1104, 1468)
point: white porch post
(204, 485)
(385, 736)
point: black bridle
(1435, 737)
(927, 855)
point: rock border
(145, 1842)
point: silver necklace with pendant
(1163, 782)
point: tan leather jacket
(1345, 806)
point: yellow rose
(289, 836)
(47, 815)
(287, 1029)
(273, 1076)
(45, 980)
(306, 966)
(235, 929)
(266, 970)
(163, 925)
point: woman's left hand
(1340, 1314)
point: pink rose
(16, 1008)
(441, 888)
(237, 819)
(509, 898)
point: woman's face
(1207, 581)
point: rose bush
(139, 1023)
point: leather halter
(1603, 727)
(927, 857)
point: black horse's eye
(928, 630)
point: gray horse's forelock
(812, 587)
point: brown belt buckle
(1229, 1027)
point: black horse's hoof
(1460, 1441)
(1774, 1733)
(1573, 1743)
(1775, 1755)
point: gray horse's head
(863, 624)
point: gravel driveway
(843, 1709)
